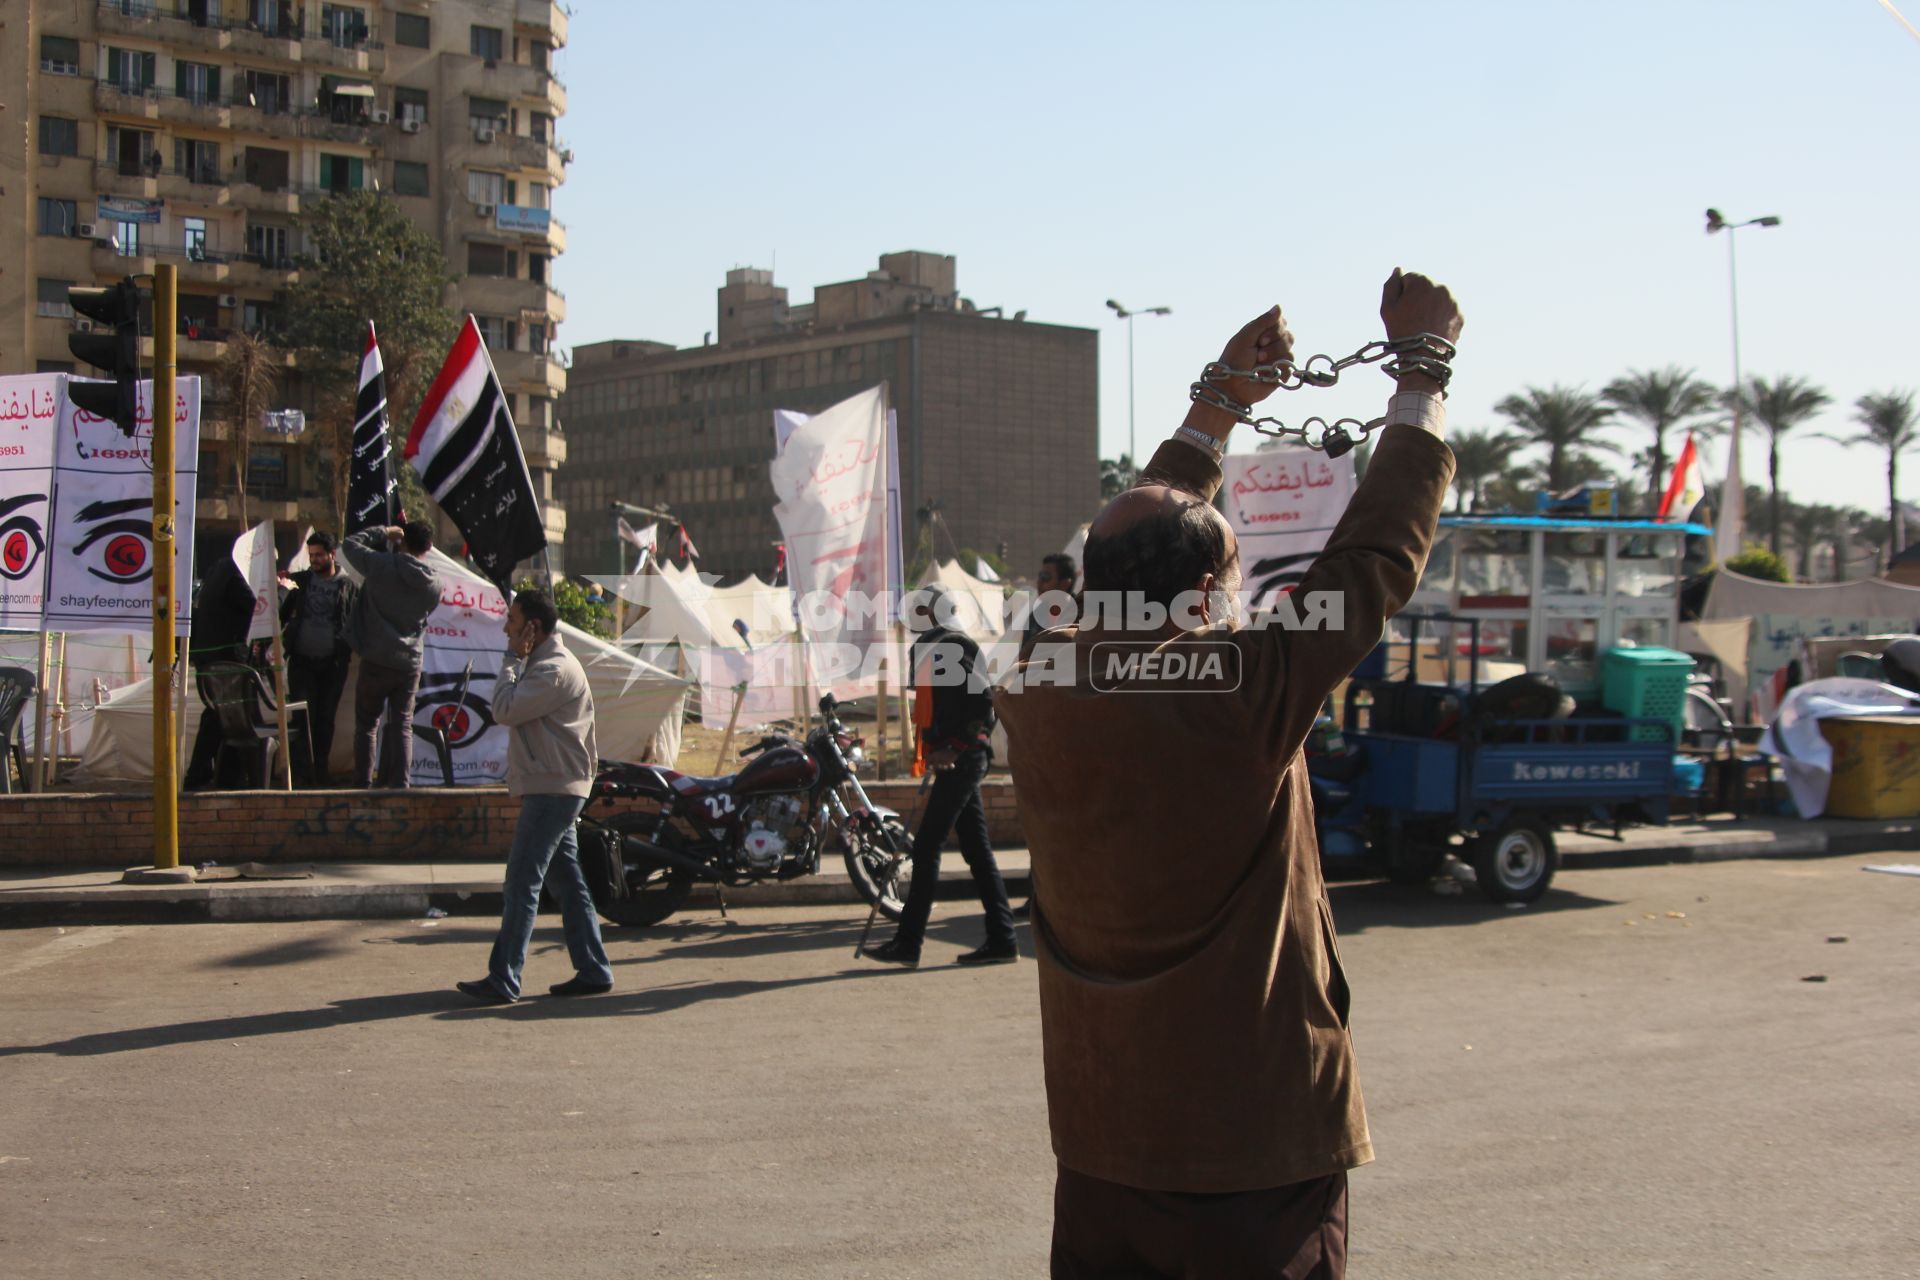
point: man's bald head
(1160, 542)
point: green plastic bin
(1646, 684)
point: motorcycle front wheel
(881, 866)
(655, 890)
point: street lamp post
(1133, 451)
(1733, 496)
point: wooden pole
(280, 674)
(38, 780)
(881, 717)
(166, 778)
(63, 735)
(726, 740)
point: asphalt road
(1593, 1087)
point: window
(131, 151)
(194, 232)
(410, 104)
(487, 113)
(130, 70)
(486, 188)
(410, 179)
(256, 314)
(268, 243)
(196, 82)
(60, 55)
(412, 30)
(53, 299)
(57, 217)
(266, 472)
(537, 338)
(197, 314)
(53, 366)
(126, 236)
(342, 173)
(266, 168)
(537, 267)
(344, 25)
(266, 91)
(536, 195)
(540, 54)
(197, 160)
(486, 42)
(59, 136)
(489, 259)
(540, 127)
(271, 17)
(497, 331)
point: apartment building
(197, 131)
(998, 416)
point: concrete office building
(998, 416)
(197, 131)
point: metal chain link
(1425, 353)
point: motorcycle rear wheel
(655, 890)
(881, 867)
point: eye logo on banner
(463, 721)
(123, 533)
(22, 540)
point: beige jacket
(548, 710)
(1193, 1011)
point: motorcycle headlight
(857, 755)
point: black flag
(373, 495)
(464, 447)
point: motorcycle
(773, 820)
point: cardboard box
(1876, 766)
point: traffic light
(115, 307)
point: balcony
(246, 271)
(533, 153)
(195, 187)
(149, 22)
(524, 371)
(353, 133)
(109, 180)
(201, 112)
(126, 103)
(544, 19)
(537, 228)
(282, 123)
(545, 449)
(245, 195)
(281, 45)
(367, 57)
(502, 296)
(556, 522)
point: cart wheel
(1515, 861)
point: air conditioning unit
(484, 210)
(229, 300)
(382, 117)
(82, 325)
(83, 230)
(566, 157)
(409, 126)
(483, 135)
(103, 242)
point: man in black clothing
(313, 620)
(222, 615)
(958, 737)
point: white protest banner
(467, 627)
(100, 543)
(770, 675)
(831, 481)
(253, 556)
(1281, 505)
(29, 420)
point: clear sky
(1549, 160)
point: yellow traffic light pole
(166, 788)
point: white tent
(981, 605)
(632, 700)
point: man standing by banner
(314, 619)
(387, 629)
(464, 447)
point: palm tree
(1660, 399)
(1779, 406)
(1887, 422)
(1809, 524)
(1563, 419)
(247, 377)
(1479, 457)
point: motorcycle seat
(687, 784)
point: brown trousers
(391, 690)
(1108, 1231)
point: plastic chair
(248, 716)
(436, 737)
(17, 685)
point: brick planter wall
(424, 825)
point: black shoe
(992, 953)
(1024, 911)
(894, 951)
(485, 992)
(578, 986)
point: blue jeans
(546, 829)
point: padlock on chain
(1336, 442)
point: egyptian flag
(684, 547)
(373, 495)
(464, 447)
(1686, 487)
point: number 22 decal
(719, 806)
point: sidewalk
(368, 890)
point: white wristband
(1418, 409)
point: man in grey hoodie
(388, 630)
(541, 696)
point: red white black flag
(373, 495)
(464, 447)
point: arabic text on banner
(100, 547)
(29, 420)
(831, 481)
(1282, 505)
(466, 627)
(253, 556)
